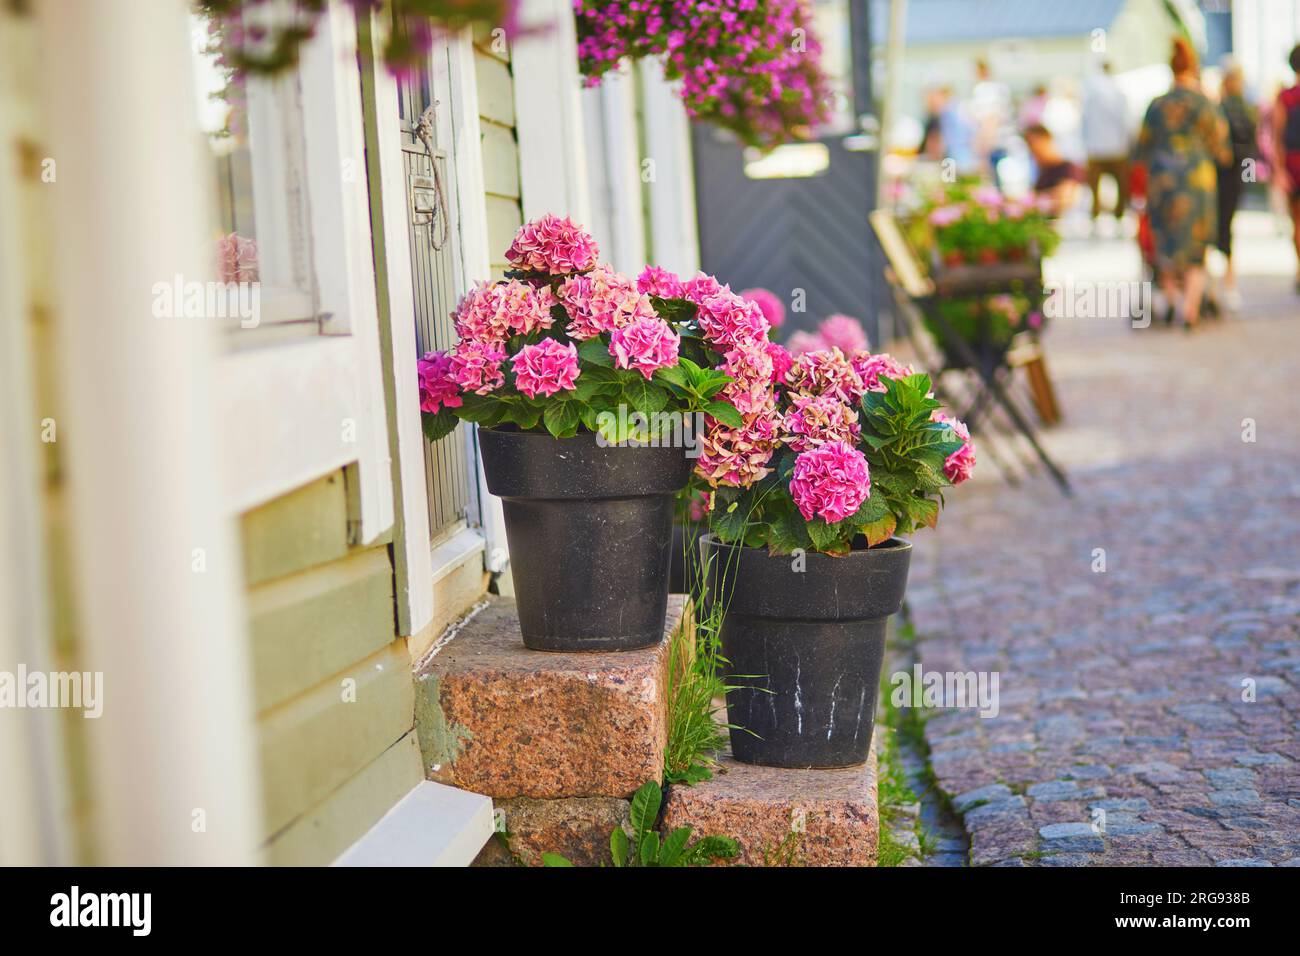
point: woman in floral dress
(1183, 137)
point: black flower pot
(590, 530)
(805, 648)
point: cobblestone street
(1163, 690)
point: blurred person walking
(1183, 137)
(1106, 140)
(1241, 135)
(990, 112)
(1286, 146)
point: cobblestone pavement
(1128, 733)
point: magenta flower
(830, 482)
(773, 308)
(752, 375)
(990, 197)
(553, 245)
(946, 216)
(476, 366)
(438, 389)
(960, 464)
(546, 368)
(738, 456)
(493, 311)
(727, 320)
(700, 286)
(602, 300)
(844, 333)
(818, 419)
(659, 282)
(871, 367)
(645, 345)
(781, 361)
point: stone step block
(498, 719)
(784, 817)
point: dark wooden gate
(808, 234)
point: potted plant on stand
(588, 393)
(809, 560)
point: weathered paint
(440, 741)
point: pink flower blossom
(773, 308)
(700, 286)
(871, 367)
(553, 245)
(493, 311)
(946, 216)
(476, 366)
(801, 341)
(601, 301)
(237, 258)
(825, 372)
(844, 333)
(737, 457)
(751, 386)
(437, 387)
(699, 507)
(990, 197)
(830, 482)
(659, 282)
(817, 419)
(960, 464)
(645, 345)
(781, 361)
(727, 320)
(546, 368)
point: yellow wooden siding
(310, 625)
(500, 162)
(306, 527)
(314, 743)
(496, 96)
(322, 833)
(496, 101)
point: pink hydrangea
(961, 463)
(751, 386)
(737, 456)
(727, 320)
(844, 333)
(438, 389)
(699, 507)
(830, 482)
(817, 419)
(773, 308)
(546, 368)
(493, 311)
(801, 341)
(553, 245)
(700, 286)
(659, 282)
(825, 372)
(781, 361)
(476, 366)
(946, 216)
(237, 258)
(871, 367)
(645, 345)
(602, 300)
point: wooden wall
(496, 104)
(331, 679)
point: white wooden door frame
(674, 233)
(290, 413)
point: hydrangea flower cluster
(863, 452)
(751, 66)
(562, 340)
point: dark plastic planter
(805, 649)
(590, 530)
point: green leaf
(481, 409)
(645, 808)
(645, 396)
(674, 844)
(879, 530)
(561, 419)
(596, 352)
(554, 859)
(923, 512)
(726, 413)
(648, 849)
(713, 848)
(729, 524)
(788, 532)
(438, 425)
(825, 537)
(674, 375)
(619, 847)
